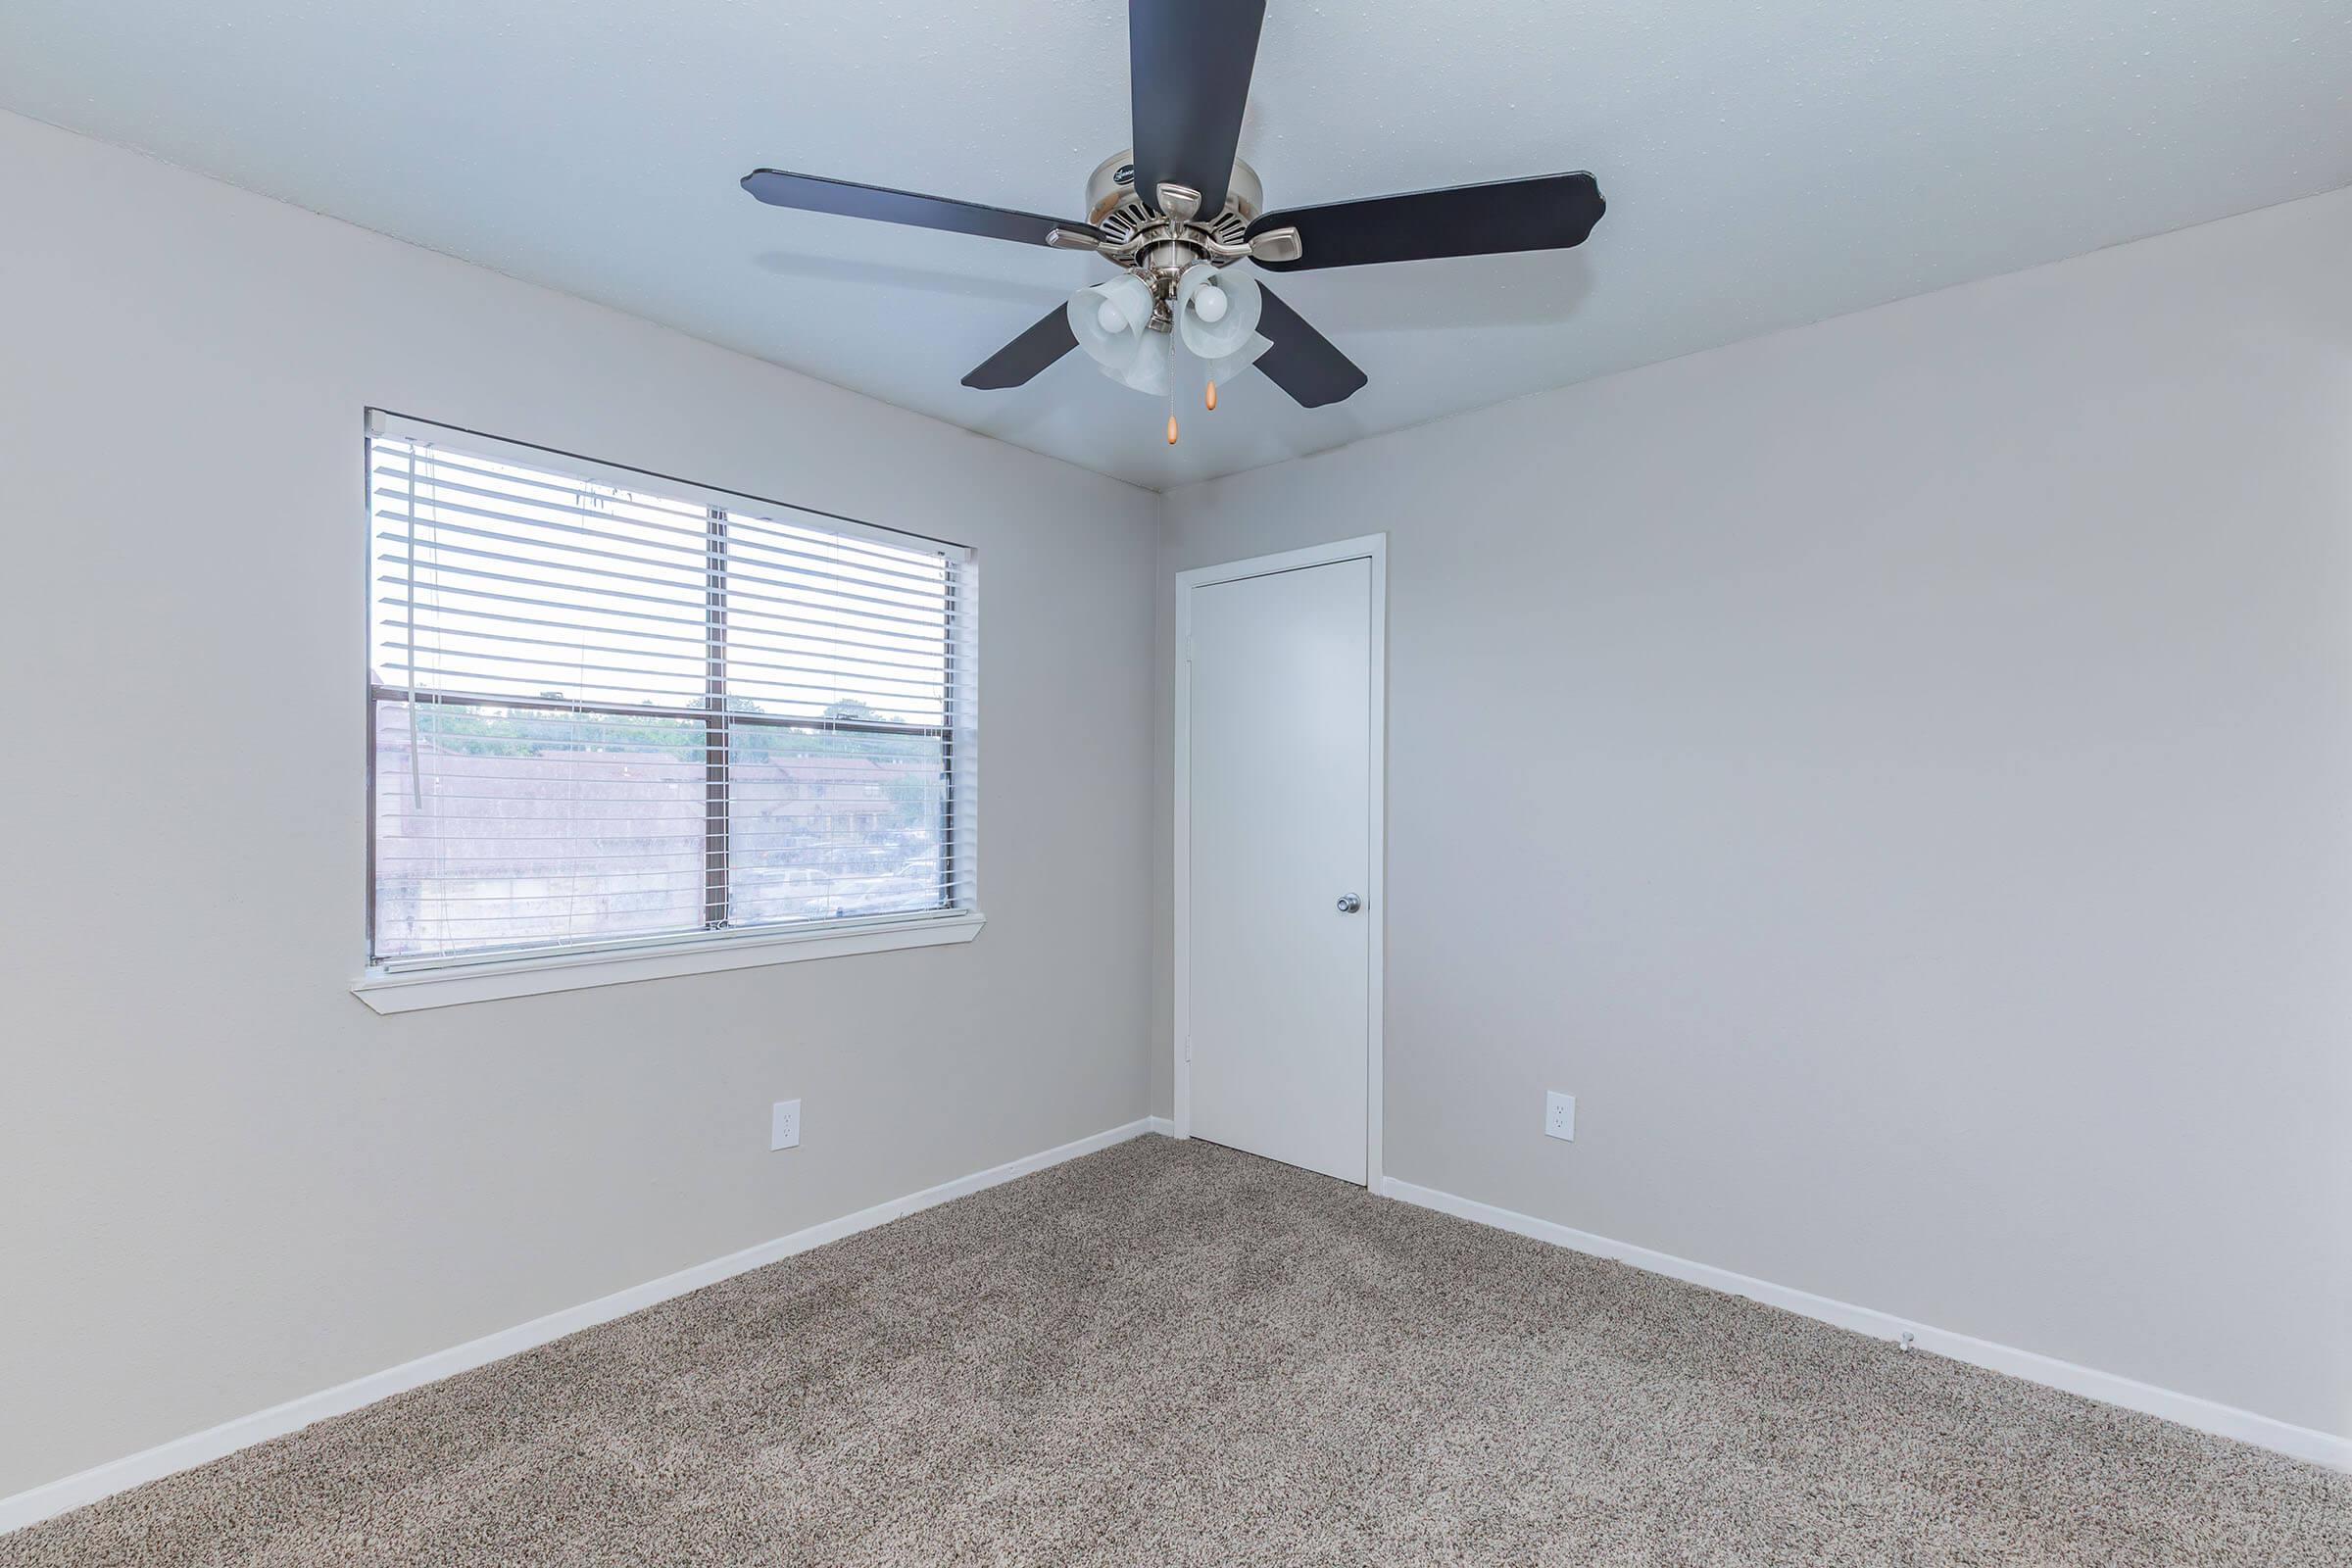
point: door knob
(1349, 903)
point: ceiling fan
(1180, 206)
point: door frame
(1375, 549)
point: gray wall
(1898, 775)
(226, 1182)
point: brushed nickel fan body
(1156, 244)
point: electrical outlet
(1559, 1115)
(784, 1125)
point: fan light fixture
(1112, 323)
(1175, 212)
(1216, 317)
(1132, 335)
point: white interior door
(1278, 982)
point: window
(609, 711)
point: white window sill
(491, 980)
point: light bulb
(1216, 314)
(1109, 316)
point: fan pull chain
(1172, 360)
(1211, 399)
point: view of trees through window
(601, 715)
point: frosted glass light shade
(1234, 325)
(1240, 359)
(1125, 300)
(1147, 369)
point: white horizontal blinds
(605, 713)
(851, 818)
(534, 586)
(828, 627)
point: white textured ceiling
(1764, 164)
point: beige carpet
(1172, 1354)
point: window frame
(402, 984)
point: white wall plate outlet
(1559, 1115)
(784, 1125)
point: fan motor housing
(1115, 207)
(1120, 212)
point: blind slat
(812, 605)
(604, 613)
(858, 675)
(697, 541)
(808, 585)
(738, 649)
(435, 461)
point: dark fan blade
(1548, 212)
(1303, 362)
(813, 193)
(1188, 69)
(1019, 361)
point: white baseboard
(199, 1447)
(2205, 1415)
